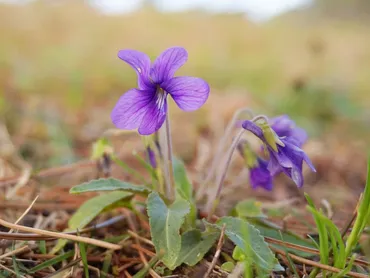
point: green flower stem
(212, 205)
(170, 180)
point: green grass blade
(84, 258)
(52, 261)
(363, 215)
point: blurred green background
(60, 75)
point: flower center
(160, 96)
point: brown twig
(15, 252)
(143, 239)
(24, 236)
(306, 249)
(218, 252)
(318, 265)
(40, 206)
(140, 248)
(91, 241)
(132, 227)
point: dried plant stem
(170, 181)
(219, 150)
(218, 252)
(143, 239)
(15, 252)
(316, 264)
(91, 241)
(28, 236)
(213, 203)
(25, 213)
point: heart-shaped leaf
(165, 223)
(195, 244)
(249, 240)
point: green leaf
(238, 254)
(323, 234)
(228, 267)
(337, 244)
(165, 223)
(109, 184)
(195, 244)
(249, 240)
(91, 208)
(249, 209)
(184, 189)
(183, 185)
(269, 229)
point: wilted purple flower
(146, 107)
(285, 127)
(151, 157)
(259, 175)
(285, 156)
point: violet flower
(146, 106)
(259, 175)
(285, 155)
(285, 127)
(151, 157)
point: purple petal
(282, 125)
(255, 129)
(154, 117)
(273, 166)
(140, 62)
(298, 136)
(297, 176)
(130, 108)
(309, 163)
(167, 64)
(260, 176)
(189, 93)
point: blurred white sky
(258, 10)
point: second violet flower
(283, 141)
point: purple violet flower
(146, 106)
(285, 156)
(259, 175)
(285, 127)
(151, 157)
